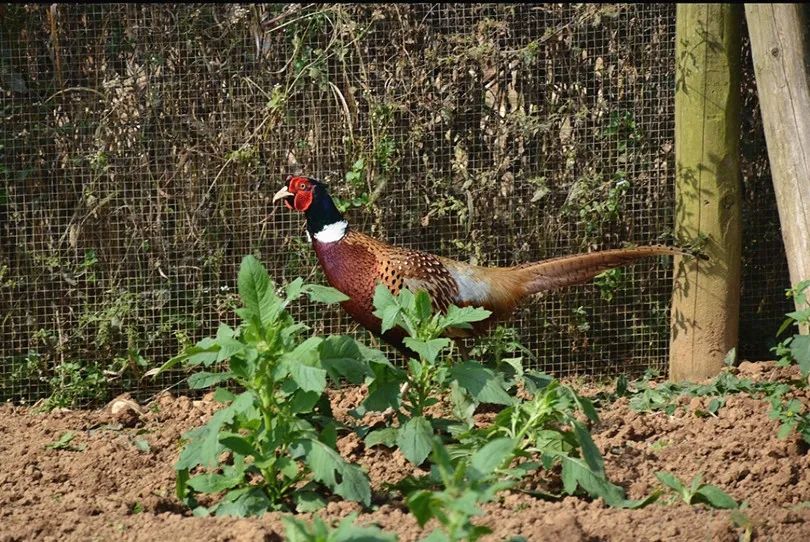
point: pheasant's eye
(302, 186)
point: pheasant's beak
(284, 193)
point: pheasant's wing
(416, 271)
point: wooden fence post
(706, 297)
(779, 46)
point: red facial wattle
(298, 193)
(302, 201)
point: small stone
(124, 410)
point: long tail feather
(579, 268)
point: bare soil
(112, 489)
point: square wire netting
(142, 143)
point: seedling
(346, 531)
(64, 443)
(465, 484)
(697, 492)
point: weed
(464, 484)
(64, 443)
(609, 281)
(697, 492)
(75, 383)
(278, 434)
(430, 374)
(796, 349)
(346, 531)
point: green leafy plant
(609, 281)
(430, 375)
(647, 395)
(697, 492)
(273, 446)
(346, 531)
(355, 178)
(542, 432)
(545, 432)
(464, 484)
(75, 383)
(792, 415)
(502, 351)
(64, 443)
(796, 348)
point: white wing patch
(470, 289)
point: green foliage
(597, 203)
(64, 443)
(356, 179)
(273, 446)
(793, 416)
(796, 348)
(74, 383)
(609, 281)
(432, 374)
(697, 492)
(647, 395)
(455, 488)
(298, 531)
(545, 431)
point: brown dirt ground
(110, 490)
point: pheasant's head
(300, 192)
(310, 197)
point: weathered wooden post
(779, 46)
(706, 297)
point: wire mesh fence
(142, 143)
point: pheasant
(355, 263)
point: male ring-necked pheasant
(355, 263)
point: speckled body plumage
(355, 263)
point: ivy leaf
(415, 439)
